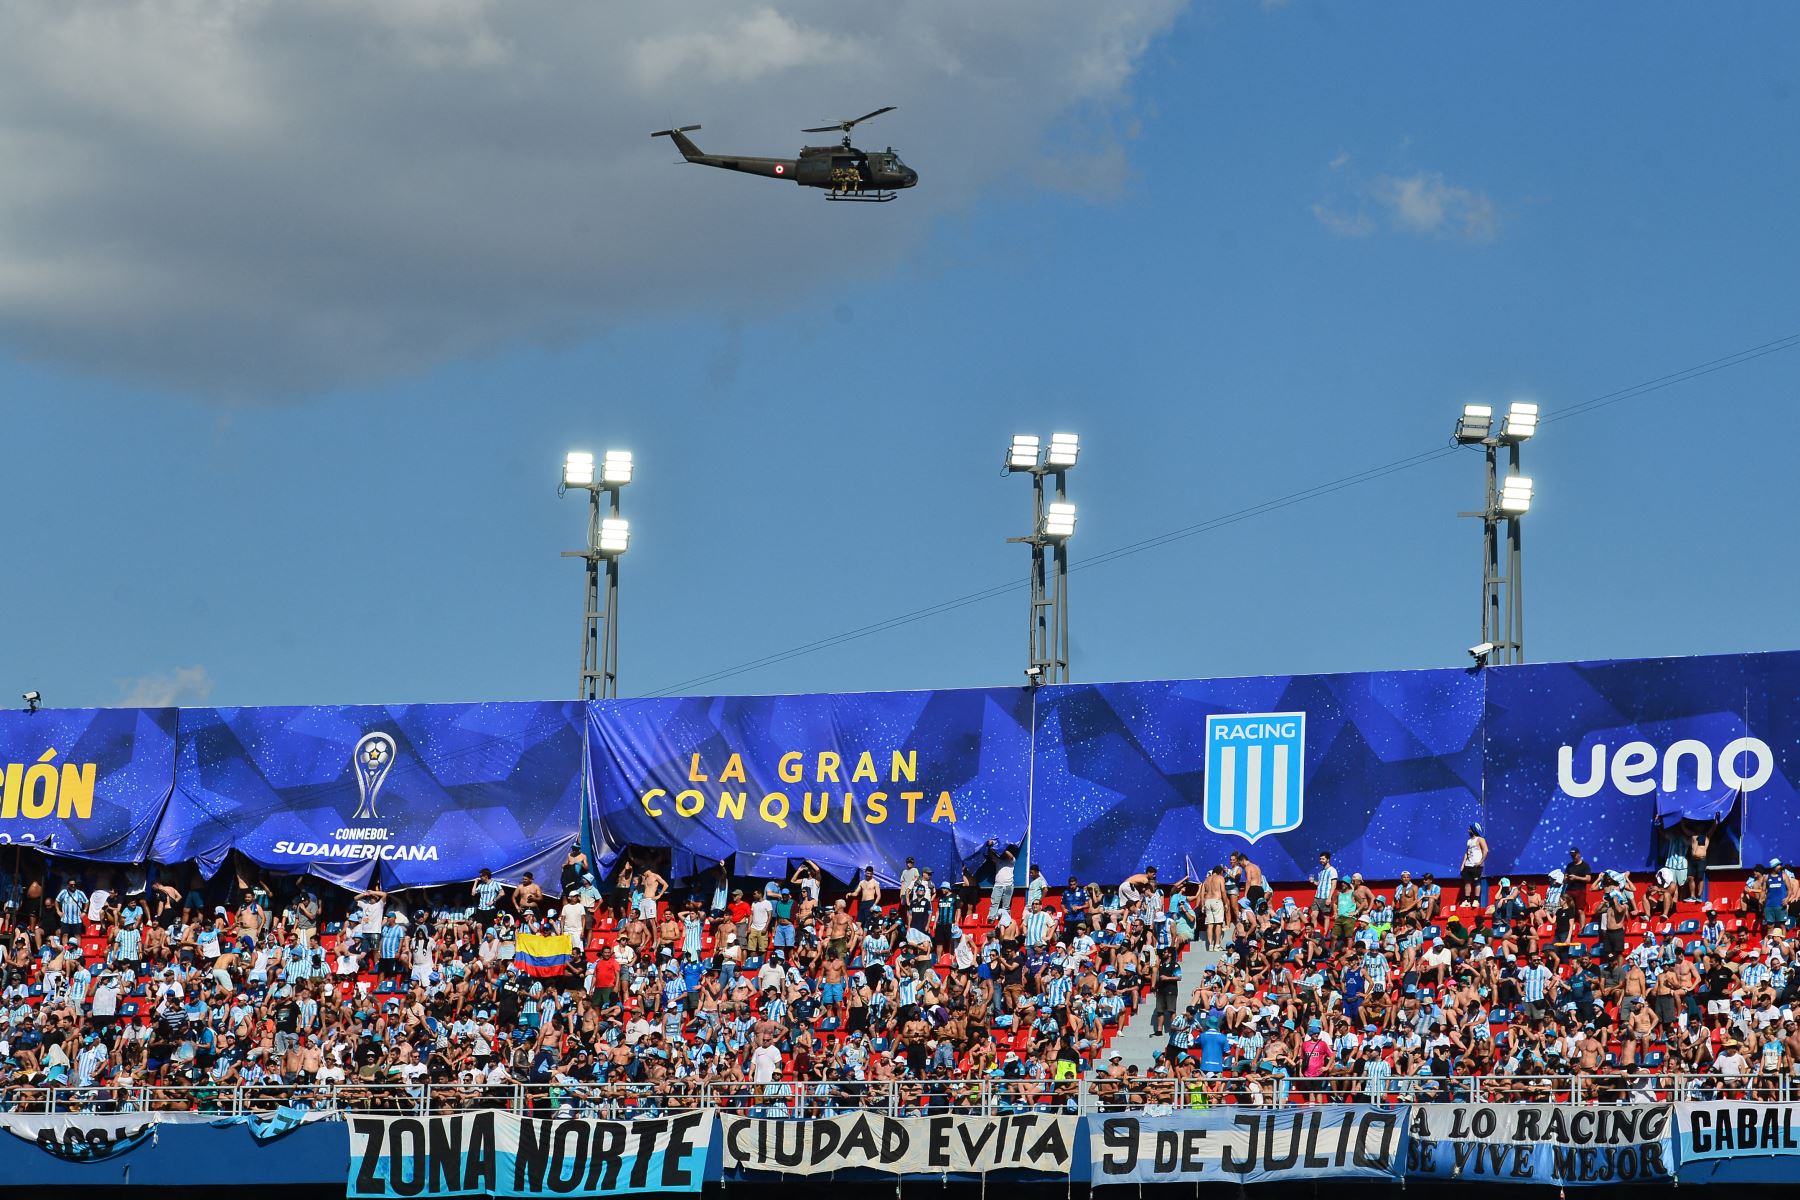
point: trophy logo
(373, 759)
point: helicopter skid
(862, 197)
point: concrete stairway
(1136, 1045)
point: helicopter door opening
(851, 180)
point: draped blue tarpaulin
(846, 781)
(1385, 773)
(426, 793)
(1387, 770)
(86, 782)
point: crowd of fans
(127, 987)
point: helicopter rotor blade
(876, 113)
(845, 126)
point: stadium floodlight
(1476, 422)
(578, 469)
(1515, 495)
(615, 536)
(1065, 448)
(615, 470)
(1521, 422)
(1508, 498)
(1052, 525)
(608, 536)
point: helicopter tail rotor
(678, 135)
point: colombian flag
(543, 955)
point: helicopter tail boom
(678, 135)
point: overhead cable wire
(1369, 475)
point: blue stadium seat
(1689, 926)
(1500, 1016)
(1502, 928)
(1654, 1059)
(1591, 929)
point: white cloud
(1425, 203)
(1344, 224)
(740, 51)
(182, 686)
(1422, 202)
(252, 198)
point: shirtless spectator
(1212, 907)
(528, 896)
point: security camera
(31, 701)
(1481, 652)
(1035, 673)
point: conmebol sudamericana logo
(373, 758)
(1255, 773)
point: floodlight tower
(1506, 500)
(1052, 525)
(609, 536)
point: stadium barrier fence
(983, 1096)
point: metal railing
(972, 1096)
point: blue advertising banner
(843, 780)
(1568, 1145)
(1769, 811)
(80, 1153)
(1253, 1145)
(429, 793)
(1621, 758)
(85, 783)
(1725, 1141)
(1382, 769)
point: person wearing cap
(1346, 909)
(1508, 906)
(784, 928)
(943, 917)
(1732, 1066)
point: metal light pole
(1505, 499)
(1052, 525)
(608, 537)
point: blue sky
(1277, 245)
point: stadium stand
(126, 990)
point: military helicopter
(844, 171)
